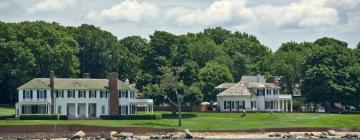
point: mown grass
(219, 121)
(7, 110)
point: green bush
(43, 117)
(6, 117)
(130, 117)
(175, 116)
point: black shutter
(243, 102)
(224, 104)
(94, 93)
(31, 94)
(68, 93)
(37, 94)
(24, 94)
(127, 92)
(45, 94)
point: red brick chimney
(114, 97)
(52, 92)
(86, 75)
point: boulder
(155, 137)
(114, 135)
(126, 135)
(188, 135)
(271, 135)
(277, 134)
(331, 133)
(306, 135)
(79, 135)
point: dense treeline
(326, 70)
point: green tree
(212, 75)
(326, 41)
(136, 45)
(328, 76)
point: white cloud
(219, 12)
(306, 13)
(128, 10)
(51, 5)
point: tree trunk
(179, 111)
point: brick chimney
(52, 92)
(114, 97)
(86, 75)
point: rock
(299, 137)
(19, 138)
(155, 137)
(323, 136)
(331, 133)
(90, 138)
(354, 135)
(306, 135)
(277, 134)
(312, 134)
(188, 135)
(271, 135)
(79, 135)
(114, 135)
(126, 135)
(98, 138)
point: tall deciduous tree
(212, 75)
(328, 76)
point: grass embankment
(215, 121)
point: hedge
(175, 116)
(42, 117)
(7, 117)
(130, 117)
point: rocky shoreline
(64, 132)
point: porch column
(86, 110)
(286, 105)
(128, 109)
(152, 109)
(278, 105)
(291, 106)
(19, 110)
(76, 110)
(282, 105)
(146, 109)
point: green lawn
(7, 110)
(221, 121)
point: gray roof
(256, 78)
(224, 85)
(244, 88)
(238, 89)
(73, 83)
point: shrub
(6, 117)
(175, 116)
(130, 117)
(43, 117)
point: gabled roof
(224, 85)
(73, 83)
(254, 79)
(260, 85)
(238, 89)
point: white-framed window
(103, 93)
(268, 91)
(103, 109)
(27, 94)
(92, 94)
(253, 104)
(41, 94)
(71, 94)
(82, 94)
(59, 93)
(59, 109)
(124, 110)
(276, 91)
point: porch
(32, 108)
(81, 110)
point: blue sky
(272, 22)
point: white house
(252, 96)
(79, 97)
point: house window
(268, 104)
(59, 93)
(276, 91)
(253, 104)
(123, 94)
(41, 94)
(103, 110)
(268, 91)
(260, 92)
(59, 109)
(124, 110)
(92, 94)
(103, 94)
(82, 94)
(27, 94)
(227, 104)
(71, 94)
